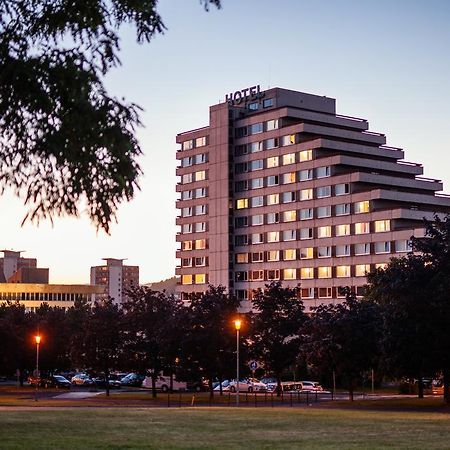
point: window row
(197, 210)
(200, 261)
(257, 128)
(195, 193)
(194, 143)
(195, 159)
(289, 177)
(196, 244)
(200, 175)
(198, 278)
(254, 106)
(198, 227)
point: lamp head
(237, 324)
(37, 339)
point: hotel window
(257, 275)
(289, 274)
(273, 199)
(382, 225)
(289, 216)
(402, 246)
(200, 175)
(382, 247)
(272, 218)
(241, 258)
(288, 178)
(273, 236)
(186, 262)
(273, 255)
(343, 209)
(200, 278)
(253, 106)
(361, 207)
(186, 212)
(326, 292)
(241, 167)
(200, 210)
(342, 250)
(258, 219)
(258, 257)
(342, 230)
(240, 186)
(257, 238)
(362, 249)
(288, 197)
(307, 273)
(200, 192)
(288, 140)
(289, 254)
(255, 147)
(361, 270)
(186, 279)
(186, 178)
(306, 253)
(186, 162)
(240, 222)
(272, 162)
(257, 201)
(323, 211)
(324, 272)
(342, 189)
(273, 275)
(324, 252)
(187, 145)
(242, 203)
(306, 194)
(381, 266)
(306, 214)
(186, 228)
(186, 195)
(186, 245)
(256, 183)
(362, 228)
(289, 235)
(200, 244)
(255, 128)
(271, 143)
(305, 175)
(324, 191)
(288, 158)
(200, 227)
(241, 239)
(241, 276)
(307, 292)
(200, 142)
(201, 158)
(273, 180)
(305, 155)
(272, 125)
(256, 164)
(322, 172)
(306, 233)
(240, 150)
(324, 232)
(267, 102)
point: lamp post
(237, 325)
(37, 339)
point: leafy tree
(209, 344)
(277, 327)
(64, 139)
(344, 338)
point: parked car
(245, 385)
(113, 382)
(163, 383)
(132, 380)
(57, 381)
(82, 379)
(286, 386)
(313, 386)
(198, 385)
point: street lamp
(237, 325)
(37, 339)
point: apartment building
(280, 187)
(116, 277)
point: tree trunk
(210, 385)
(279, 387)
(107, 381)
(154, 375)
(351, 389)
(447, 386)
(220, 384)
(420, 386)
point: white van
(163, 383)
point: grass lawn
(263, 428)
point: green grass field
(188, 428)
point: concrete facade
(280, 187)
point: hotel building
(280, 187)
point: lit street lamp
(237, 325)
(37, 338)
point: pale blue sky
(386, 61)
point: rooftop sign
(244, 95)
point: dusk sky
(386, 61)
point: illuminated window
(200, 244)
(288, 140)
(305, 175)
(200, 142)
(256, 183)
(187, 145)
(257, 275)
(200, 175)
(289, 216)
(289, 274)
(324, 191)
(255, 147)
(257, 238)
(273, 199)
(273, 255)
(272, 125)
(289, 254)
(257, 201)
(361, 270)
(272, 180)
(186, 279)
(342, 271)
(289, 235)
(306, 194)
(306, 233)
(361, 207)
(257, 219)
(342, 189)
(307, 273)
(322, 172)
(288, 197)
(382, 247)
(288, 178)
(306, 213)
(382, 225)
(305, 155)
(186, 245)
(342, 250)
(362, 227)
(343, 209)
(362, 249)
(288, 158)
(186, 178)
(273, 274)
(200, 278)
(273, 218)
(257, 257)
(271, 143)
(323, 211)
(324, 232)
(273, 161)
(306, 253)
(242, 203)
(324, 272)
(273, 236)
(324, 252)
(242, 258)
(381, 266)
(343, 230)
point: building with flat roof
(116, 278)
(280, 187)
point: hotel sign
(244, 95)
